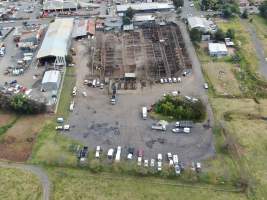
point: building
(51, 81)
(202, 24)
(83, 27)
(218, 49)
(142, 19)
(144, 7)
(59, 5)
(57, 42)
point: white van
(110, 153)
(118, 154)
(144, 112)
(94, 83)
(175, 159)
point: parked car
(206, 86)
(174, 80)
(170, 80)
(139, 161)
(83, 154)
(118, 154)
(175, 159)
(140, 152)
(97, 151)
(101, 85)
(110, 153)
(130, 153)
(165, 80)
(177, 169)
(159, 127)
(171, 163)
(169, 156)
(159, 157)
(159, 166)
(152, 162)
(60, 120)
(198, 166)
(186, 130)
(144, 112)
(161, 81)
(84, 94)
(145, 163)
(59, 128)
(66, 127)
(176, 130)
(179, 80)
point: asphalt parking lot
(95, 121)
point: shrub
(181, 109)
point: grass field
(19, 185)
(51, 147)
(80, 184)
(246, 126)
(222, 78)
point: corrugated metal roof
(52, 76)
(217, 47)
(80, 28)
(56, 39)
(141, 18)
(59, 4)
(144, 6)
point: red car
(140, 153)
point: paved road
(259, 49)
(35, 170)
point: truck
(144, 112)
(71, 106)
(113, 100)
(159, 127)
(118, 154)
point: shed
(51, 80)
(217, 49)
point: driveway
(39, 172)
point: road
(39, 172)
(259, 49)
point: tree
(228, 10)
(195, 35)
(209, 4)
(178, 3)
(263, 9)
(245, 14)
(230, 33)
(127, 18)
(219, 35)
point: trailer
(144, 112)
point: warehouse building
(218, 49)
(144, 7)
(57, 42)
(202, 24)
(59, 5)
(51, 81)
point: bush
(180, 109)
(263, 9)
(95, 166)
(195, 35)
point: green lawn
(19, 185)
(81, 184)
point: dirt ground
(5, 118)
(16, 144)
(96, 122)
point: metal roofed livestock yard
(51, 80)
(57, 38)
(145, 6)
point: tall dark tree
(263, 9)
(195, 35)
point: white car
(152, 162)
(179, 79)
(169, 155)
(177, 169)
(191, 5)
(146, 163)
(84, 94)
(171, 163)
(161, 81)
(187, 130)
(159, 166)
(139, 161)
(206, 86)
(170, 80)
(59, 128)
(165, 80)
(175, 159)
(130, 156)
(174, 93)
(66, 127)
(110, 153)
(177, 124)
(176, 130)
(97, 151)
(159, 157)
(174, 80)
